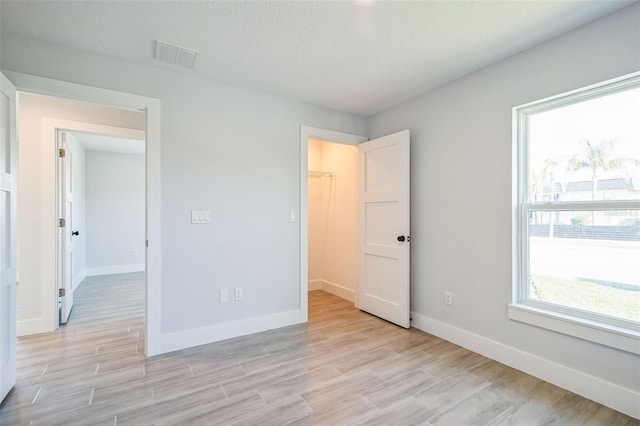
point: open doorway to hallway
(106, 223)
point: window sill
(604, 334)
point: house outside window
(576, 204)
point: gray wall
(115, 191)
(461, 147)
(233, 151)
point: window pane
(586, 260)
(588, 150)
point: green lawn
(588, 295)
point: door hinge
(146, 243)
(62, 292)
(62, 223)
(61, 153)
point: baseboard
(315, 285)
(599, 390)
(78, 279)
(115, 269)
(338, 290)
(30, 326)
(227, 330)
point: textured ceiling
(360, 57)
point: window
(577, 213)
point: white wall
(461, 199)
(37, 217)
(332, 218)
(225, 149)
(115, 228)
(316, 234)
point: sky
(556, 133)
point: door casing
(64, 256)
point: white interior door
(8, 172)
(383, 217)
(65, 297)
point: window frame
(600, 328)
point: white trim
(115, 269)
(335, 289)
(606, 393)
(594, 331)
(314, 285)
(30, 326)
(307, 132)
(151, 106)
(582, 94)
(227, 330)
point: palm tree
(596, 158)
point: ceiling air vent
(167, 52)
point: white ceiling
(356, 56)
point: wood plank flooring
(343, 367)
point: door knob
(401, 238)
(75, 233)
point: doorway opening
(101, 192)
(150, 107)
(382, 222)
(332, 218)
(322, 183)
(96, 155)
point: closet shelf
(318, 174)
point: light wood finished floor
(343, 367)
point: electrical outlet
(224, 295)
(448, 298)
(237, 294)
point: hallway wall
(115, 212)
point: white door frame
(306, 133)
(64, 236)
(50, 128)
(45, 86)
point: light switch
(292, 216)
(200, 216)
(237, 294)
